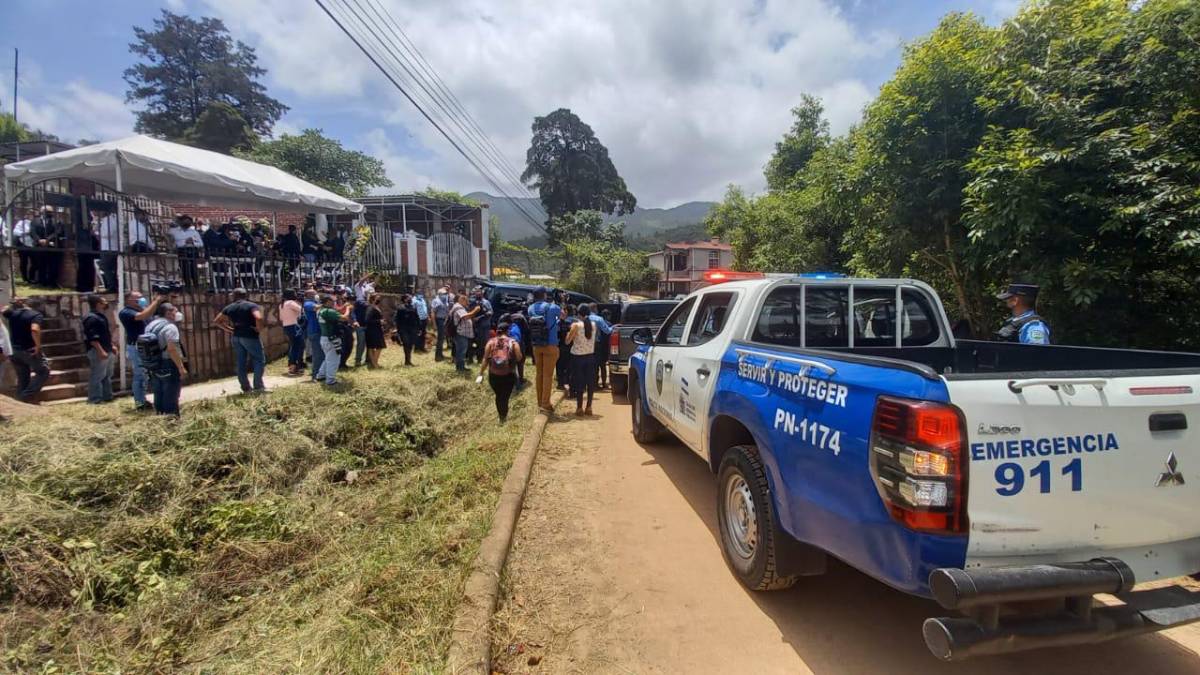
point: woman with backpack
(500, 356)
(582, 338)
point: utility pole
(16, 78)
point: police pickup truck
(1011, 483)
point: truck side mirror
(642, 336)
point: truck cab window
(671, 332)
(825, 317)
(778, 322)
(874, 317)
(919, 321)
(710, 318)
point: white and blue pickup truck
(1011, 483)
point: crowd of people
(567, 344)
(325, 327)
(236, 252)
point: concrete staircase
(68, 361)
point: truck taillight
(614, 343)
(919, 465)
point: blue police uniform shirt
(1034, 332)
(310, 318)
(601, 324)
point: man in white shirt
(22, 238)
(105, 225)
(139, 232)
(187, 240)
(364, 288)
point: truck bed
(974, 359)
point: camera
(166, 287)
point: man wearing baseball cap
(1024, 326)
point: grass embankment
(304, 530)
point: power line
(472, 157)
(473, 135)
(411, 96)
(495, 154)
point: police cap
(1029, 291)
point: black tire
(646, 429)
(754, 558)
(620, 384)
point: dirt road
(616, 568)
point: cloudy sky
(688, 95)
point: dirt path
(616, 568)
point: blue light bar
(821, 275)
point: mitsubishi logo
(1172, 476)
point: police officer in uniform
(1024, 326)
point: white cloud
(304, 51)
(688, 95)
(72, 111)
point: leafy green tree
(796, 228)
(584, 225)
(186, 64)
(323, 161)
(631, 271)
(914, 143)
(571, 168)
(448, 196)
(1060, 148)
(596, 267)
(12, 131)
(809, 134)
(221, 129)
(1086, 180)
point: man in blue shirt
(422, 314)
(543, 318)
(604, 329)
(514, 332)
(1024, 326)
(314, 331)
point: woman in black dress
(376, 342)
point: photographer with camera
(133, 317)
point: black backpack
(539, 331)
(150, 352)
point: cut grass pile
(304, 530)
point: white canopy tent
(170, 172)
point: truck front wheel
(750, 537)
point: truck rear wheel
(646, 429)
(620, 384)
(751, 539)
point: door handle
(1168, 422)
(703, 372)
(668, 365)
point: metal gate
(451, 255)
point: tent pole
(8, 213)
(121, 261)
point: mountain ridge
(643, 222)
